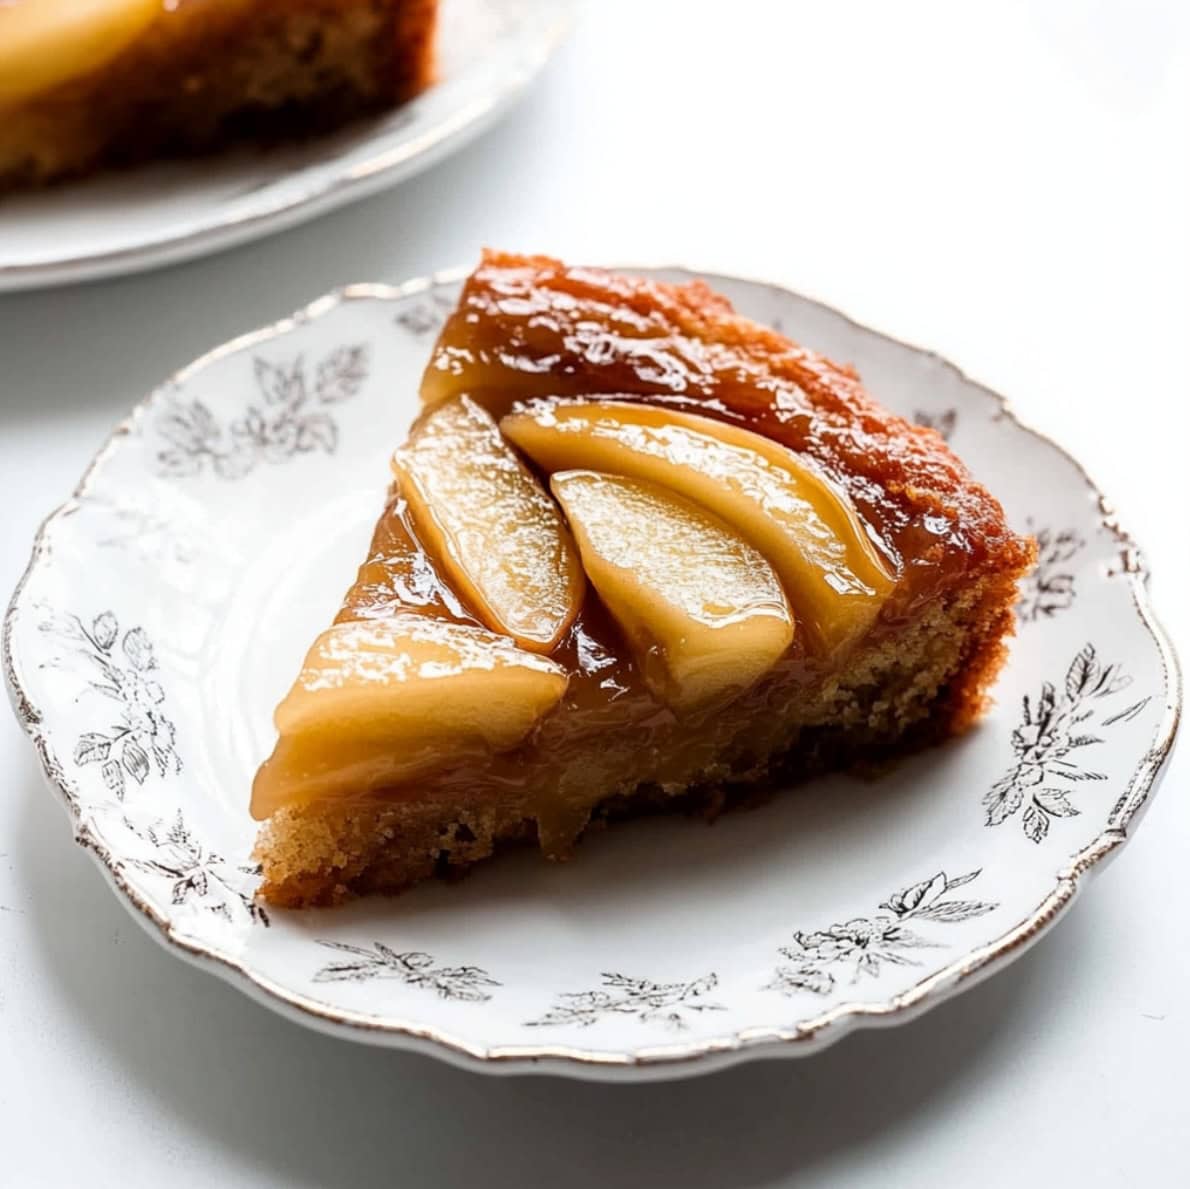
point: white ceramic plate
(128, 221)
(169, 601)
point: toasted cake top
(531, 326)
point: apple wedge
(485, 518)
(48, 42)
(782, 505)
(702, 610)
(380, 702)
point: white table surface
(1007, 183)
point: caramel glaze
(530, 328)
(606, 694)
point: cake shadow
(676, 860)
(321, 1111)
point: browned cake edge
(208, 76)
(827, 413)
(927, 683)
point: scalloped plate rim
(644, 1062)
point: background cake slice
(870, 578)
(89, 83)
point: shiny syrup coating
(532, 327)
(803, 525)
(703, 611)
(497, 536)
(399, 575)
(529, 328)
(609, 732)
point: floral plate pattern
(168, 602)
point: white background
(1007, 183)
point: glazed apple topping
(490, 525)
(702, 610)
(380, 702)
(703, 542)
(44, 43)
(782, 505)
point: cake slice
(89, 83)
(638, 553)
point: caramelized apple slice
(797, 518)
(46, 42)
(702, 610)
(380, 702)
(495, 532)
